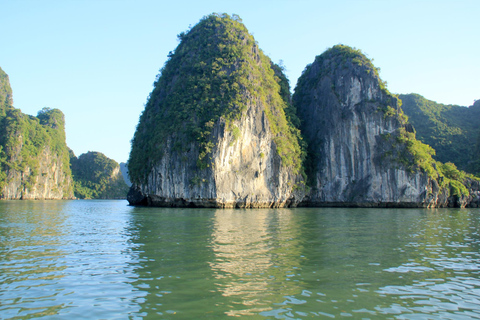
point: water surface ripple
(106, 260)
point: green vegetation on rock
(26, 140)
(336, 58)
(451, 130)
(5, 93)
(216, 71)
(342, 61)
(399, 148)
(97, 177)
(474, 166)
(419, 155)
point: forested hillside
(97, 177)
(475, 164)
(450, 129)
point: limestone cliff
(34, 161)
(362, 151)
(214, 131)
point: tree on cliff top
(215, 72)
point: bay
(93, 259)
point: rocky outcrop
(34, 161)
(472, 200)
(214, 131)
(358, 138)
(47, 180)
(124, 171)
(245, 172)
(220, 130)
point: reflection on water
(105, 260)
(29, 254)
(255, 252)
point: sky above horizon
(97, 60)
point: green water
(106, 260)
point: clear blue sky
(96, 60)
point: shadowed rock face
(237, 155)
(348, 120)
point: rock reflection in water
(255, 256)
(30, 254)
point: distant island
(221, 129)
(96, 176)
(35, 162)
(453, 131)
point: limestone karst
(214, 131)
(34, 161)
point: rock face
(356, 136)
(214, 131)
(124, 171)
(220, 130)
(46, 181)
(472, 200)
(34, 161)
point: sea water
(92, 259)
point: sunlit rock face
(350, 122)
(231, 146)
(52, 182)
(33, 152)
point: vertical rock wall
(244, 171)
(347, 119)
(232, 145)
(48, 181)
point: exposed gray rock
(51, 181)
(33, 153)
(238, 153)
(244, 172)
(348, 119)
